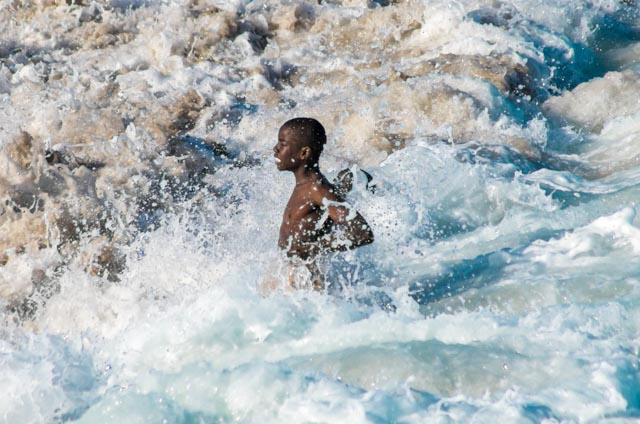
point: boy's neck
(306, 174)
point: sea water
(141, 206)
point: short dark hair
(309, 131)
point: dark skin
(314, 211)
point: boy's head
(300, 140)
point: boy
(315, 210)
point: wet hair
(310, 132)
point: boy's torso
(302, 220)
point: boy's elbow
(364, 233)
(367, 238)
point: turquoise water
(141, 211)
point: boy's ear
(305, 153)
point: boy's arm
(356, 231)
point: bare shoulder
(322, 190)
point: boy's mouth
(277, 160)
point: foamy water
(141, 206)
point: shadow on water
(385, 410)
(468, 274)
(506, 160)
(568, 199)
(538, 413)
(628, 376)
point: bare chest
(296, 210)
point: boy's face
(288, 152)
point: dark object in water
(344, 182)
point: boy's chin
(282, 166)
